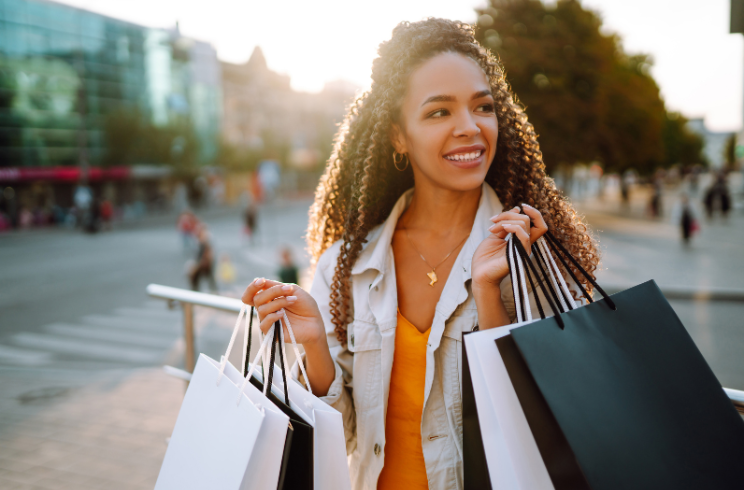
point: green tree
(682, 145)
(729, 150)
(587, 98)
(131, 138)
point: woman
(408, 232)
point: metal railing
(188, 299)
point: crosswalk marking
(86, 348)
(24, 357)
(126, 336)
(154, 340)
(119, 322)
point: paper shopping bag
(326, 467)
(214, 435)
(633, 396)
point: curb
(690, 293)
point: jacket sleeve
(340, 392)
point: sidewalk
(102, 431)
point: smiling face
(448, 124)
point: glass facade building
(64, 71)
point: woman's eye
(438, 113)
(489, 108)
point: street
(85, 403)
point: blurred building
(64, 71)
(714, 142)
(261, 112)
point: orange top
(404, 467)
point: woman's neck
(441, 211)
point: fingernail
(526, 205)
(280, 312)
(291, 299)
(491, 228)
(259, 281)
(287, 288)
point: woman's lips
(466, 160)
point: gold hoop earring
(397, 161)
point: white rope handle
(259, 355)
(223, 361)
(551, 274)
(543, 246)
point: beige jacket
(363, 366)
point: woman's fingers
(540, 227)
(275, 305)
(270, 291)
(270, 319)
(519, 232)
(254, 287)
(501, 224)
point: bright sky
(699, 66)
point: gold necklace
(433, 274)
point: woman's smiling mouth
(466, 157)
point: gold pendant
(433, 276)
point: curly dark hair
(360, 185)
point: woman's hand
(272, 299)
(489, 266)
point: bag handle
(276, 339)
(531, 267)
(553, 243)
(223, 361)
(271, 334)
(555, 271)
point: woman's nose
(465, 126)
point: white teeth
(460, 157)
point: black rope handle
(514, 274)
(274, 342)
(530, 265)
(553, 242)
(248, 349)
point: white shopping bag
(512, 455)
(216, 432)
(330, 465)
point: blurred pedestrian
(204, 261)
(656, 196)
(249, 217)
(288, 272)
(93, 221)
(107, 214)
(687, 221)
(26, 218)
(718, 198)
(187, 224)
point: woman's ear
(397, 139)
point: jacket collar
(375, 254)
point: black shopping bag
(556, 453)
(636, 401)
(297, 460)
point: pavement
(85, 404)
